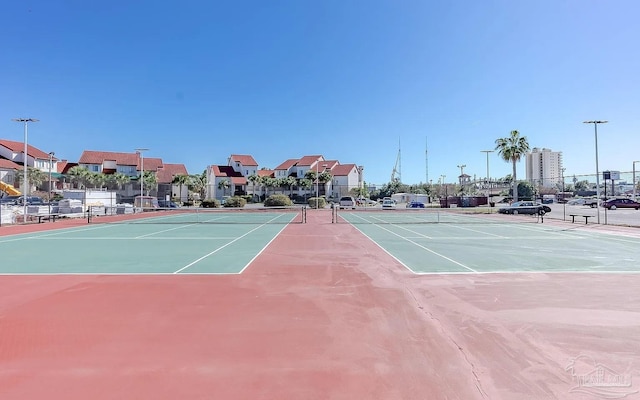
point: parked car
(347, 202)
(388, 203)
(612, 204)
(361, 201)
(525, 207)
(9, 200)
(31, 201)
(167, 204)
(415, 204)
(576, 202)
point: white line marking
(222, 247)
(410, 241)
(261, 250)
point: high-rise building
(544, 167)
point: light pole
(633, 179)
(25, 121)
(140, 152)
(595, 126)
(51, 154)
(317, 172)
(564, 202)
(488, 180)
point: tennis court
(480, 308)
(185, 241)
(447, 241)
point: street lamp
(595, 126)
(51, 154)
(488, 180)
(633, 179)
(140, 152)
(25, 121)
(564, 201)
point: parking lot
(626, 217)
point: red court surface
(322, 313)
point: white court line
(410, 241)
(222, 247)
(141, 238)
(261, 250)
(58, 232)
(164, 230)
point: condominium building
(544, 167)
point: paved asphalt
(628, 217)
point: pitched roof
(18, 147)
(169, 171)
(98, 157)
(265, 172)
(64, 166)
(225, 171)
(287, 164)
(308, 161)
(8, 164)
(342, 169)
(244, 160)
(151, 164)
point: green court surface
(494, 247)
(137, 249)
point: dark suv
(31, 201)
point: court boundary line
(396, 258)
(231, 242)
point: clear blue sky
(353, 80)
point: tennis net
(258, 216)
(374, 215)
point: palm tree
(324, 177)
(305, 184)
(268, 182)
(511, 149)
(150, 181)
(198, 184)
(181, 180)
(290, 181)
(120, 179)
(35, 177)
(224, 185)
(253, 179)
(79, 176)
(97, 179)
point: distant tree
(289, 182)
(305, 184)
(150, 182)
(224, 185)
(181, 180)
(511, 149)
(78, 175)
(120, 179)
(35, 177)
(254, 179)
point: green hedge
(235, 201)
(278, 200)
(213, 203)
(317, 202)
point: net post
(88, 214)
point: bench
(45, 217)
(586, 217)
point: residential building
(544, 167)
(14, 152)
(131, 165)
(232, 179)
